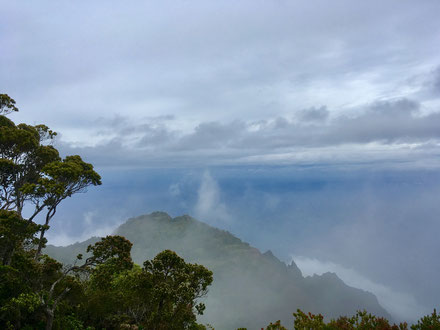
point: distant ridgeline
(250, 289)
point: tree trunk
(49, 216)
(40, 244)
(49, 316)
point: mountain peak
(158, 214)
(269, 254)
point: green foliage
(16, 234)
(428, 322)
(162, 295)
(62, 179)
(32, 173)
(308, 321)
(7, 104)
(22, 305)
(112, 251)
(175, 286)
(33, 287)
(19, 301)
(70, 322)
(361, 320)
(275, 326)
(34, 291)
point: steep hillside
(250, 288)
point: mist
(379, 225)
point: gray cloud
(210, 62)
(314, 114)
(377, 131)
(436, 82)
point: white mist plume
(209, 207)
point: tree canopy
(33, 173)
(362, 320)
(7, 104)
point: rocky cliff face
(250, 288)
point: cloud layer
(387, 131)
(226, 82)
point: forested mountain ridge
(250, 288)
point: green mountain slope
(250, 289)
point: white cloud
(393, 131)
(401, 305)
(222, 82)
(209, 207)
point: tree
(428, 322)
(308, 321)
(176, 286)
(7, 104)
(361, 320)
(162, 295)
(32, 172)
(24, 151)
(37, 293)
(59, 180)
(109, 256)
(15, 234)
(34, 177)
(275, 326)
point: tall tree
(176, 287)
(32, 172)
(33, 177)
(109, 256)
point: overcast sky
(227, 81)
(258, 86)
